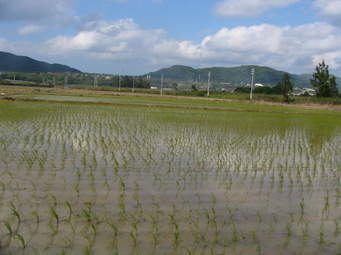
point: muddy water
(115, 180)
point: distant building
(259, 85)
(303, 92)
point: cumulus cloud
(36, 10)
(290, 48)
(249, 8)
(286, 47)
(330, 9)
(30, 29)
(121, 39)
(333, 59)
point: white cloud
(333, 59)
(15, 47)
(290, 48)
(248, 8)
(30, 29)
(330, 9)
(294, 48)
(36, 11)
(3, 44)
(120, 39)
(125, 1)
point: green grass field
(148, 175)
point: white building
(303, 91)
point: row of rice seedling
(80, 179)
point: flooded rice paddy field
(87, 179)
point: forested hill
(234, 75)
(13, 63)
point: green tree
(334, 92)
(324, 84)
(286, 86)
(143, 83)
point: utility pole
(252, 81)
(133, 85)
(65, 81)
(54, 81)
(208, 84)
(161, 90)
(95, 81)
(119, 82)
(149, 79)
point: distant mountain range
(234, 75)
(13, 63)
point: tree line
(130, 82)
(50, 79)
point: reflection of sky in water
(186, 144)
(251, 165)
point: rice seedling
(115, 236)
(21, 240)
(167, 181)
(68, 242)
(70, 211)
(337, 228)
(326, 207)
(322, 240)
(302, 209)
(55, 216)
(9, 228)
(88, 251)
(17, 216)
(36, 217)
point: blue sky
(138, 36)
